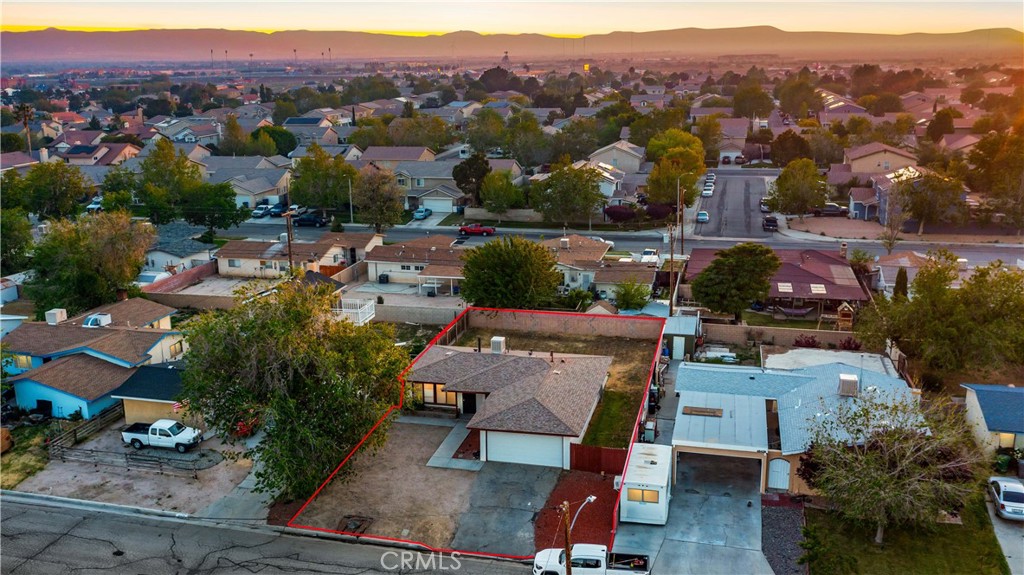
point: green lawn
(968, 548)
(221, 240)
(612, 424)
(764, 320)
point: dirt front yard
(137, 488)
(394, 494)
(860, 229)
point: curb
(40, 499)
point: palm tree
(25, 113)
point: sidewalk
(243, 504)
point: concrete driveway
(1011, 538)
(711, 529)
(503, 505)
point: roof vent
(849, 385)
(56, 315)
(97, 320)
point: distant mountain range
(53, 45)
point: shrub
(658, 211)
(336, 225)
(619, 214)
(849, 344)
(76, 415)
(806, 341)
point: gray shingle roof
(159, 382)
(1002, 406)
(525, 394)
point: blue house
(61, 367)
(996, 412)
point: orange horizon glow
(408, 33)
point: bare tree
(885, 459)
(896, 215)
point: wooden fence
(71, 433)
(127, 460)
(597, 459)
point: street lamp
(589, 499)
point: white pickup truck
(164, 433)
(588, 559)
(650, 256)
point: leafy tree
(469, 175)
(94, 123)
(378, 198)
(900, 288)
(709, 131)
(13, 193)
(797, 97)
(284, 140)
(524, 139)
(427, 131)
(632, 294)
(6, 117)
(263, 145)
(233, 142)
(643, 128)
(826, 147)
(212, 206)
(323, 383)
(499, 194)
(789, 146)
(370, 132)
(485, 131)
(677, 171)
(798, 189)
(568, 195)
(510, 272)
(930, 198)
(750, 101)
(15, 240)
(368, 88)
(52, 189)
(11, 143)
(661, 143)
(941, 124)
(885, 459)
(577, 139)
(284, 109)
(119, 186)
(999, 171)
(165, 175)
(80, 265)
(896, 215)
(736, 277)
(158, 107)
(123, 139)
(322, 181)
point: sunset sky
(568, 18)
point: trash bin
(1002, 463)
(383, 279)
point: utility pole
(288, 223)
(568, 541)
(351, 212)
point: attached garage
(526, 449)
(440, 205)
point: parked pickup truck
(589, 559)
(164, 433)
(831, 209)
(649, 256)
(476, 230)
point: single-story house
(528, 409)
(415, 261)
(766, 414)
(151, 393)
(134, 312)
(62, 368)
(263, 259)
(996, 413)
(877, 157)
(176, 249)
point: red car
(476, 230)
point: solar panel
(785, 287)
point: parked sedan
(703, 217)
(1008, 497)
(422, 213)
(297, 210)
(611, 244)
(310, 219)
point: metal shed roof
(742, 426)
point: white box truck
(647, 485)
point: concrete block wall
(560, 323)
(785, 336)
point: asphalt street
(40, 539)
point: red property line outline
(401, 398)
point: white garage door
(543, 450)
(438, 205)
(778, 474)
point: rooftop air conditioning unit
(564, 243)
(97, 320)
(498, 344)
(56, 315)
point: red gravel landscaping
(595, 521)
(470, 447)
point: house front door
(469, 403)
